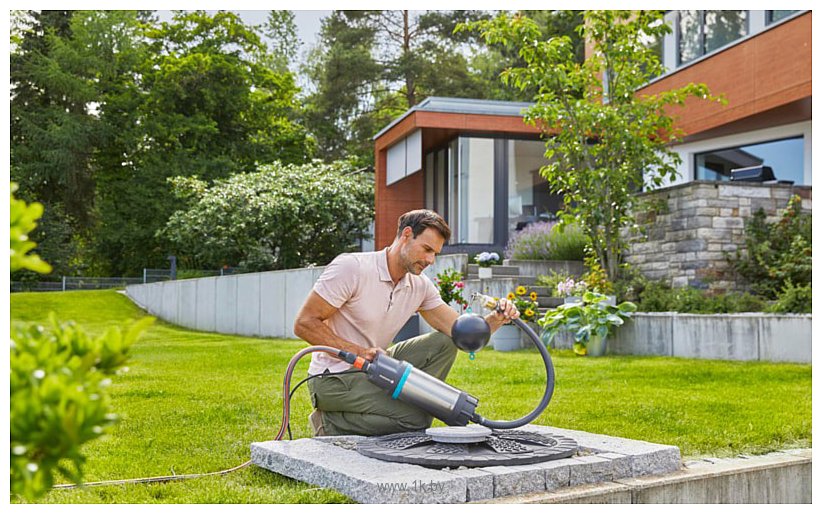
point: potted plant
(571, 290)
(450, 284)
(589, 321)
(485, 261)
(526, 303)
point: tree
(203, 105)
(603, 140)
(280, 217)
(371, 66)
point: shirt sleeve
(432, 298)
(338, 281)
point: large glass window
(702, 32)
(529, 197)
(774, 16)
(474, 192)
(784, 156)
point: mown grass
(193, 402)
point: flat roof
(462, 106)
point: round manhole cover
(500, 448)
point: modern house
(476, 162)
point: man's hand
(370, 354)
(506, 311)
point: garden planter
(596, 346)
(507, 338)
(525, 341)
(485, 272)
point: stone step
(519, 280)
(473, 269)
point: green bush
(793, 299)
(59, 398)
(776, 253)
(546, 241)
(58, 380)
(279, 217)
(657, 296)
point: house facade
(477, 163)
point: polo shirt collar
(385, 276)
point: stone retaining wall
(689, 227)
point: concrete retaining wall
(266, 304)
(779, 477)
(253, 304)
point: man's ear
(408, 233)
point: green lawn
(194, 402)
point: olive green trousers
(350, 404)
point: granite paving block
(480, 483)
(333, 462)
(509, 480)
(557, 473)
(645, 458)
(361, 478)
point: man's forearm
(316, 332)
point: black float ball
(470, 332)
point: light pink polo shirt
(371, 308)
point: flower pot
(506, 339)
(573, 299)
(525, 341)
(484, 272)
(596, 345)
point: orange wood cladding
(767, 71)
(408, 194)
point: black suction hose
(546, 396)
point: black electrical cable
(306, 379)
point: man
(359, 304)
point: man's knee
(443, 343)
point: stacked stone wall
(686, 231)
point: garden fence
(149, 276)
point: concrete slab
(168, 305)
(187, 304)
(248, 304)
(700, 337)
(334, 462)
(272, 304)
(226, 305)
(776, 331)
(206, 304)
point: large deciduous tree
(604, 140)
(205, 106)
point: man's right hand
(370, 354)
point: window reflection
(785, 157)
(702, 32)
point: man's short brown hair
(421, 219)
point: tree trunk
(410, 86)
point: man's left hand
(505, 311)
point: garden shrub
(552, 280)
(658, 296)
(793, 299)
(58, 381)
(546, 241)
(776, 253)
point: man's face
(418, 253)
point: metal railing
(149, 276)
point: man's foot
(316, 421)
